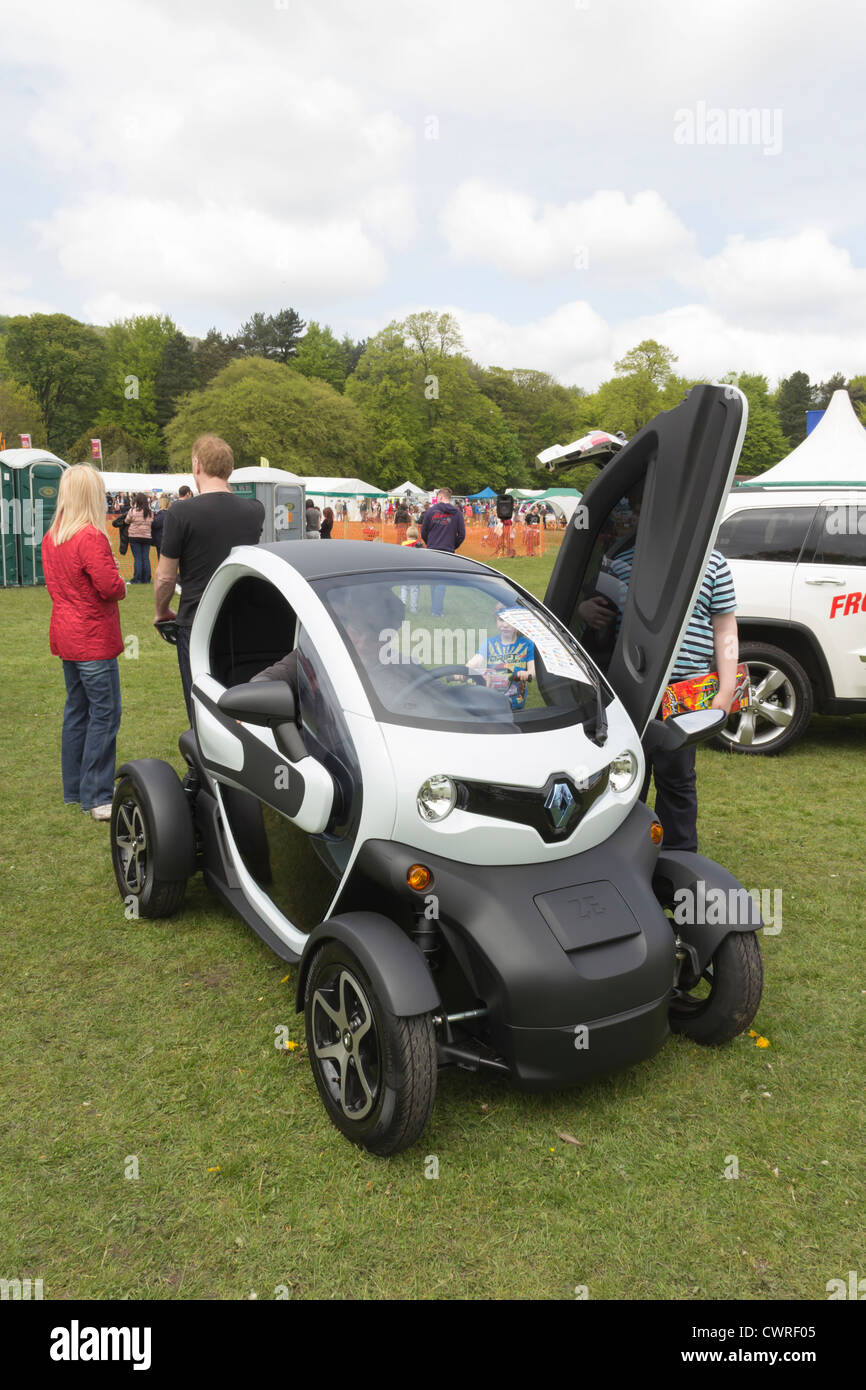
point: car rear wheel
(375, 1072)
(152, 839)
(780, 703)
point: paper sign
(552, 650)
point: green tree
(136, 349)
(20, 414)
(322, 355)
(272, 335)
(857, 392)
(637, 393)
(266, 408)
(388, 387)
(764, 444)
(175, 376)
(213, 352)
(792, 400)
(539, 412)
(823, 393)
(63, 363)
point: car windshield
(454, 649)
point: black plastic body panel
(680, 869)
(687, 456)
(397, 969)
(580, 941)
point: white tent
(146, 482)
(408, 489)
(254, 474)
(835, 451)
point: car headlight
(623, 771)
(437, 798)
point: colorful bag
(698, 692)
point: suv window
(765, 533)
(840, 535)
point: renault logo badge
(559, 804)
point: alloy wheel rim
(772, 705)
(346, 1045)
(131, 840)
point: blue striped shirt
(696, 652)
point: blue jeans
(91, 720)
(437, 600)
(140, 561)
(185, 671)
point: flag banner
(25, 441)
(96, 449)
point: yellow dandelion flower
(762, 1042)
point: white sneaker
(102, 812)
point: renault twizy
(464, 872)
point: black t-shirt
(200, 532)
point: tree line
(408, 402)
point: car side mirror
(271, 703)
(682, 730)
(259, 702)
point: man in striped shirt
(709, 644)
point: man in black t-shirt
(198, 535)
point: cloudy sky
(567, 177)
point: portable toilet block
(29, 480)
(282, 494)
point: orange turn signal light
(419, 877)
(656, 832)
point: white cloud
(164, 251)
(803, 282)
(498, 226)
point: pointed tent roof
(835, 452)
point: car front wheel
(376, 1072)
(780, 703)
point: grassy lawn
(148, 1047)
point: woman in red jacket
(84, 584)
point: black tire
(152, 838)
(378, 1091)
(726, 1000)
(780, 704)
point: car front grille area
(554, 811)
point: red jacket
(84, 585)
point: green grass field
(155, 1144)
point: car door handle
(826, 581)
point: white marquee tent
(835, 451)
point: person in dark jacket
(158, 523)
(85, 587)
(442, 528)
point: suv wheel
(780, 703)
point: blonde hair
(164, 502)
(214, 455)
(412, 533)
(80, 503)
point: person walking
(139, 520)
(313, 519)
(82, 578)
(402, 518)
(442, 528)
(158, 523)
(197, 536)
(327, 525)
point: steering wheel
(439, 673)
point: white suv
(798, 559)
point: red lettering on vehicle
(854, 603)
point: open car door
(634, 556)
